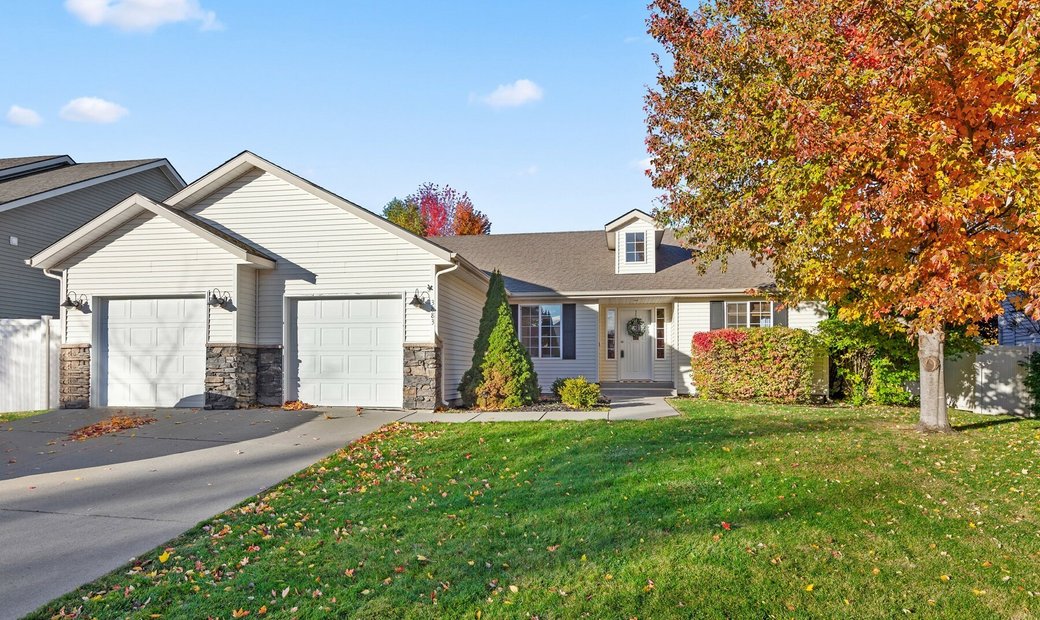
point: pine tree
(509, 380)
(496, 316)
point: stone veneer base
(74, 376)
(422, 376)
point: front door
(635, 355)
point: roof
(14, 162)
(576, 263)
(51, 179)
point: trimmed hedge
(772, 364)
(578, 393)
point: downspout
(47, 330)
(437, 314)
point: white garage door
(350, 351)
(154, 352)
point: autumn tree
(435, 211)
(406, 215)
(882, 155)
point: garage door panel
(155, 352)
(350, 351)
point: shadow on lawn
(988, 423)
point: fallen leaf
(809, 588)
(165, 555)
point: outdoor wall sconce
(421, 299)
(74, 300)
(219, 298)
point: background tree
(881, 154)
(406, 215)
(435, 211)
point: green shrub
(557, 385)
(888, 383)
(1032, 381)
(496, 297)
(761, 364)
(578, 393)
(508, 379)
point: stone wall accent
(422, 376)
(74, 377)
(269, 375)
(231, 372)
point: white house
(254, 285)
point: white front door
(350, 351)
(153, 352)
(635, 355)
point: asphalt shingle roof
(14, 162)
(49, 179)
(580, 261)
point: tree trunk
(933, 383)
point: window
(541, 330)
(611, 333)
(659, 332)
(635, 247)
(749, 314)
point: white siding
(690, 318)
(586, 349)
(807, 315)
(320, 249)
(460, 304)
(149, 256)
(24, 291)
(245, 305)
(650, 264)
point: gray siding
(1015, 328)
(24, 291)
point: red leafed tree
(882, 155)
(445, 211)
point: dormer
(634, 237)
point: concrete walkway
(71, 512)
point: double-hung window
(635, 247)
(541, 330)
(749, 314)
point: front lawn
(18, 415)
(730, 510)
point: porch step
(636, 389)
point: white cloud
(142, 15)
(645, 164)
(529, 171)
(23, 117)
(512, 95)
(92, 110)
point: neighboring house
(1014, 327)
(252, 284)
(44, 198)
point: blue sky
(366, 99)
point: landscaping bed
(546, 404)
(729, 510)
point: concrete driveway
(72, 511)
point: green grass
(18, 415)
(624, 519)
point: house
(252, 284)
(44, 198)
(1014, 327)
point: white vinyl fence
(992, 381)
(29, 351)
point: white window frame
(610, 334)
(747, 313)
(660, 328)
(635, 234)
(519, 322)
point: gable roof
(7, 163)
(41, 180)
(132, 207)
(241, 163)
(579, 263)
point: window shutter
(717, 315)
(515, 311)
(568, 332)
(779, 316)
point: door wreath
(635, 327)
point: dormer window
(635, 247)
